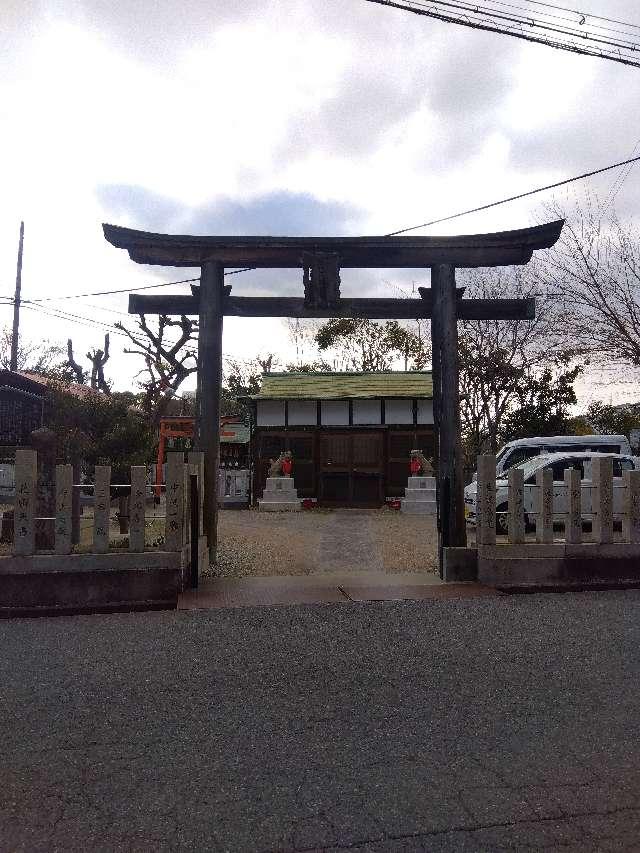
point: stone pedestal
(419, 496)
(280, 495)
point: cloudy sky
(276, 117)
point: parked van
(516, 452)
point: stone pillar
(24, 537)
(175, 500)
(137, 504)
(631, 517)
(44, 443)
(516, 506)
(64, 495)
(76, 506)
(544, 518)
(602, 468)
(573, 518)
(196, 459)
(486, 501)
(101, 508)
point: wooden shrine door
(352, 468)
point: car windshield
(501, 453)
(531, 465)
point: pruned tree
(79, 374)
(98, 359)
(170, 355)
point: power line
(541, 29)
(131, 289)
(617, 185)
(53, 311)
(109, 292)
(73, 318)
(587, 14)
(515, 197)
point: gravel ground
(316, 541)
(494, 724)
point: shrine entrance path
(323, 542)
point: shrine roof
(341, 386)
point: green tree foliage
(100, 430)
(368, 346)
(241, 379)
(613, 420)
(543, 405)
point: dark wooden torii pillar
(321, 259)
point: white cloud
(387, 119)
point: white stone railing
(601, 500)
(177, 518)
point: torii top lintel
(476, 250)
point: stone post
(137, 504)
(486, 501)
(196, 458)
(544, 518)
(101, 508)
(516, 506)
(24, 536)
(64, 501)
(573, 519)
(175, 499)
(44, 443)
(76, 505)
(631, 517)
(602, 467)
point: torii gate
(321, 259)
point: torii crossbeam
(321, 259)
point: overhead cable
(534, 26)
(515, 197)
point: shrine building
(351, 434)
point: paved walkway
(350, 541)
(497, 723)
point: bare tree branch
(168, 360)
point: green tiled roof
(339, 386)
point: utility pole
(13, 365)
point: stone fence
(560, 555)
(177, 519)
(62, 578)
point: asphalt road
(480, 724)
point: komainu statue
(420, 465)
(281, 467)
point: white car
(558, 462)
(518, 451)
